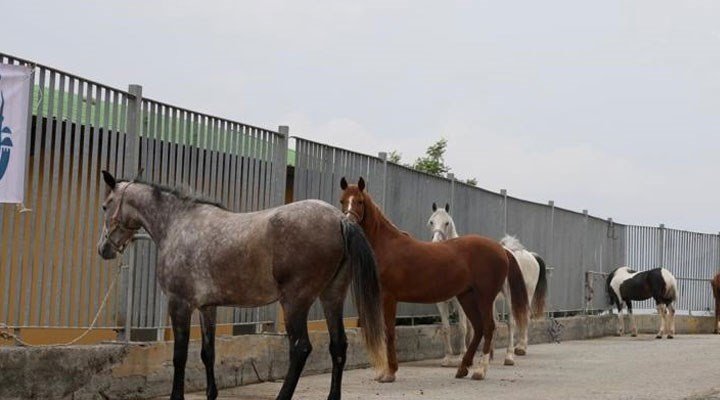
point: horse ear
(447, 207)
(343, 183)
(109, 179)
(361, 184)
(434, 207)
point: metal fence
(570, 242)
(51, 276)
(694, 258)
(50, 273)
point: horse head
(354, 199)
(441, 224)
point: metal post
(451, 176)
(383, 157)
(129, 296)
(661, 245)
(583, 250)
(550, 252)
(279, 172)
(132, 143)
(503, 193)
(588, 291)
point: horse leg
(509, 359)
(180, 313)
(488, 329)
(300, 347)
(467, 301)
(671, 322)
(661, 312)
(389, 312)
(464, 326)
(717, 313)
(522, 346)
(633, 325)
(621, 324)
(333, 309)
(444, 309)
(208, 316)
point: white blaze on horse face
(350, 201)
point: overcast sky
(613, 106)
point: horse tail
(366, 290)
(670, 285)
(518, 292)
(538, 301)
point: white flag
(15, 81)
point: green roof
(76, 109)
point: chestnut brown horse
(472, 268)
(716, 293)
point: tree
(394, 157)
(471, 181)
(434, 162)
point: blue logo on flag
(6, 143)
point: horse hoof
(670, 336)
(634, 335)
(450, 362)
(658, 337)
(478, 376)
(519, 351)
(509, 361)
(387, 378)
(461, 372)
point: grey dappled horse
(208, 257)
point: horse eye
(104, 207)
(432, 223)
(447, 223)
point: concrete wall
(113, 371)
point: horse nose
(436, 236)
(105, 251)
(351, 217)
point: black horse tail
(366, 290)
(518, 291)
(538, 301)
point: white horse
(532, 267)
(533, 270)
(442, 227)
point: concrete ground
(687, 367)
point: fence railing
(51, 276)
(569, 241)
(50, 273)
(694, 295)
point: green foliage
(434, 160)
(471, 181)
(394, 157)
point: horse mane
(178, 193)
(380, 216)
(512, 243)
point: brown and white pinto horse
(471, 267)
(716, 293)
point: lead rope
(7, 334)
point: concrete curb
(142, 371)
